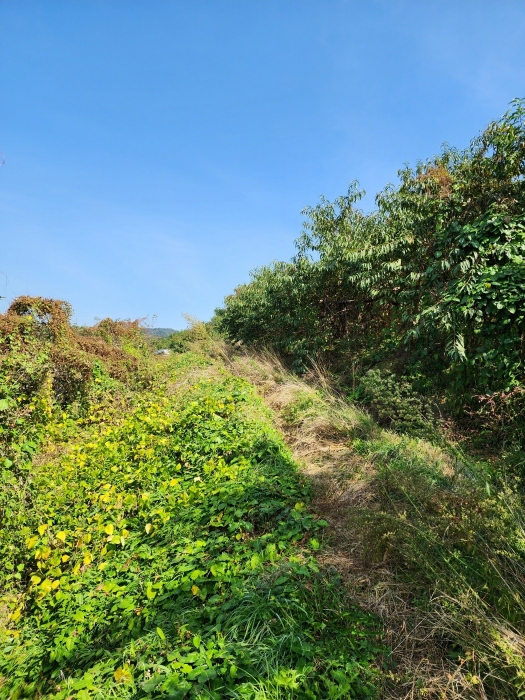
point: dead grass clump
(456, 548)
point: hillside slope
(157, 542)
(210, 525)
(424, 536)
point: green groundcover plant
(161, 546)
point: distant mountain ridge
(159, 332)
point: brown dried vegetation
(38, 345)
(437, 179)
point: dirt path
(319, 426)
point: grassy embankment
(417, 309)
(156, 534)
(425, 537)
(159, 541)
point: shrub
(433, 278)
(395, 405)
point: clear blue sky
(156, 151)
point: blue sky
(157, 151)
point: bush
(433, 278)
(47, 365)
(394, 404)
(174, 558)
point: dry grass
(320, 426)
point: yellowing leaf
(195, 589)
(61, 536)
(31, 541)
(45, 586)
(42, 529)
(109, 529)
(35, 580)
(55, 584)
(88, 558)
(123, 674)
(65, 558)
(148, 528)
(16, 615)
(44, 552)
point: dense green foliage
(156, 542)
(432, 282)
(156, 536)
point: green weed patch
(166, 551)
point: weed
(157, 546)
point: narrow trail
(319, 427)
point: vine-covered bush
(174, 558)
(46, 365)
(395, 405)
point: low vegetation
(428, 539)
(156, 534)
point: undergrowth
(428, 538)
(157, 540)
(453, 532)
